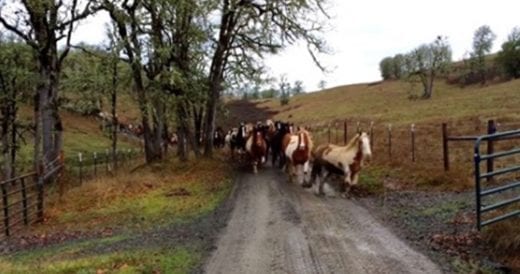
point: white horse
(343, 160)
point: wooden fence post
(40, 181)
(372, 135)
(24, 202)
(445, 151)
(345, 132)
(491, 129)
(328, 133)
(357, 127)
(107, 158)
(6, 210)
(95, 164)
(390, 140)
(412, 129)
(80, 157)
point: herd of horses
(292, 149)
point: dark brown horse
(256, 148)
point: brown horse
(256, 148)
(343, 160)
(297, 149)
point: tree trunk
(114, 113)
(158, 122)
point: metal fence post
(412, 129)
(80, 158)
(445, 151)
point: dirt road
(276, 227)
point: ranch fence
(22, 197)
(90, 165)
(406, 142)
(482, 193)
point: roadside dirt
(276, 227)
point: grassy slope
(81, 134)
(387, 102)
(141, 203)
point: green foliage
(509, 57)
(385, 67)
(87, 79)
(426, 62)
(482, 44)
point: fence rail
(481, 192)
(23, 197)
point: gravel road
(276, 227)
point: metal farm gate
(490, 174)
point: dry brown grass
(149, 195)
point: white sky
(364, 32)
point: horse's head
(259, 137)
(364, 145)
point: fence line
(23, 196)
(414, 131)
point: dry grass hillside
(387, 102)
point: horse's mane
(353, 142)
(309, 139)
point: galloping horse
(343, 160)
(256, 147)
(277, 153)
(297, 149)
(218, 138)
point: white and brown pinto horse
(297, 149)
(343, 160)
(256, 148)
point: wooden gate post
(445, 151)
(372, 135)
(390, 141)
(6, 210)
(345, 132)
(412, 129)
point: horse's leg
(347, 182)
(255, 169)
(306, 174)
(324, 175)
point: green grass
(154, 196)
(162, 260)
(81, 134)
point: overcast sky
(364, 32)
